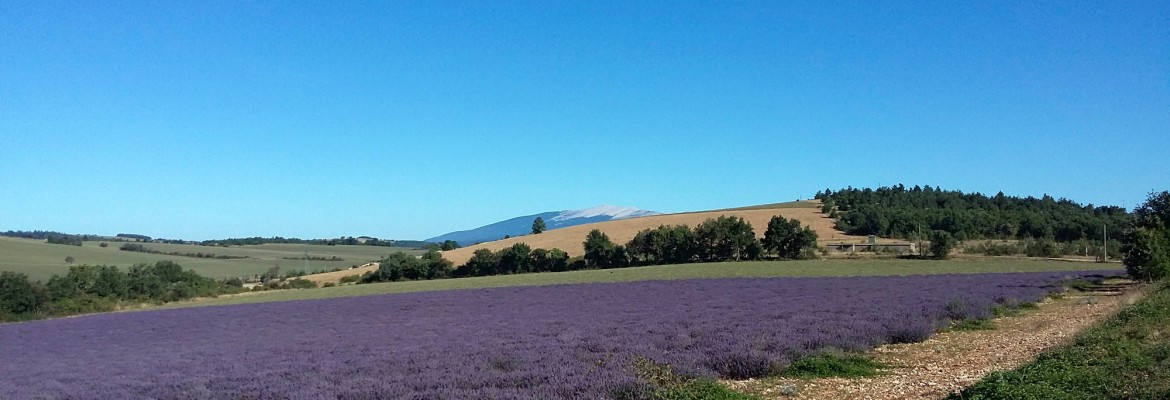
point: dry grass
(336, 276)
(570, 239)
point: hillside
(902, 212)
(40, 260)
(621, 231)
(552, 219)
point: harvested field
(621, 231)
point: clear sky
(405, 120)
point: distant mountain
(552, 220)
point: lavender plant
(551, 342)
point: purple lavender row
(550, 342)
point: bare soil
(950, 361)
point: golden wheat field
(570, 239)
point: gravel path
(950, 361)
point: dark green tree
(904, 213)
(662, 245)
(1146, 246)
(538, 226)
(144, 284)
(600, 252)
(18, 296)
(941, 243)
(1145, 254)
(437, 267)
(398, 266)
(646, 247)
(482, 263)
(72, 240)
(539, 260)
(786, 239)
(514, 259)
(448, 245)
(1154, 213)
(725, 239)
(558, 260)
(542, 260)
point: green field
(40, 260)
(668, 272)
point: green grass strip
(703, 389)
(831, 365)
(973, 325)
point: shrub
(576, 264)
(1041, 248)
(133, 247)
(994, 249)
(300, 284)
(941, 243)
(1147, 255)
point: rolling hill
(620, 231)
(40, 260)
(553, 220)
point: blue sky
(406, 120)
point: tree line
(913, 213)
(51, 237)
(136, 247)
(716, 239)
(98, 288)
(1048, 248)
(341, 241)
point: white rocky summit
(614, 212)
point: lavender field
(547, 342)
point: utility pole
(1105, 243)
